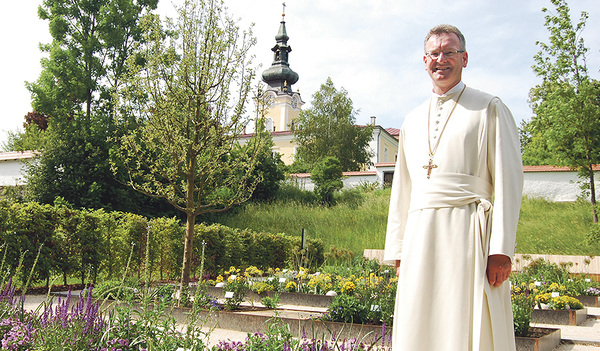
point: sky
(372, 49)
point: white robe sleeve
(399, 203)
(506, 168)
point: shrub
(522, 308)
(353, 198)
(290, 192)
(235, 290)
(347, 309)
(327, 177)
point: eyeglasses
(448, 54)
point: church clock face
(269, 100)
(295, 101)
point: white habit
(443, 228)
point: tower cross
(283, 3)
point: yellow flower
(348, 287)
(253, 271)
(219, 279)
(291, 286)
(261, 287)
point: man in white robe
(453, 214)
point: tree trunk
(593, 194)
(187, 250)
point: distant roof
(16, 155)
(281, 132)
(346, 174)
(395, 132)
(553, 168)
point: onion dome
(280, 76)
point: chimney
(373, 120)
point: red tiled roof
(393, 131)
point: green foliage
(236, 289)
(343, 225)
(85, 62)
(290, 192)
(352, 197)
(167, 232)
(270, 302)
(522, 308)
(543, 271)
(185, 147)
(534, 147)
(566, 122)
(226, 247)
(593, 236)
(327, 177)
(33, 138)
(28, 229)
(328, 128)
(347, 309)
(270, 170)
(565, 302)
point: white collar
(453, 91)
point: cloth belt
(445, 190)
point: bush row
(85, 243)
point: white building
(13, 166)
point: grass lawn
(544, 227)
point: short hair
(449, 29)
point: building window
(385, 155)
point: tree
(327, 177)
(534, 148)
(189, 115)
(327, 129)
(91, 41)
(270, 170)
(566, 103)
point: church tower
(283, 104)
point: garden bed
(255, 319)
(588, 301)
(285, 298)
(540, 339)
(560, 317)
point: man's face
(445, 71)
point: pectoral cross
(429, 167)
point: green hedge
(86, 243)
(226, 247)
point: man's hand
(397, 268)
(498, 269)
